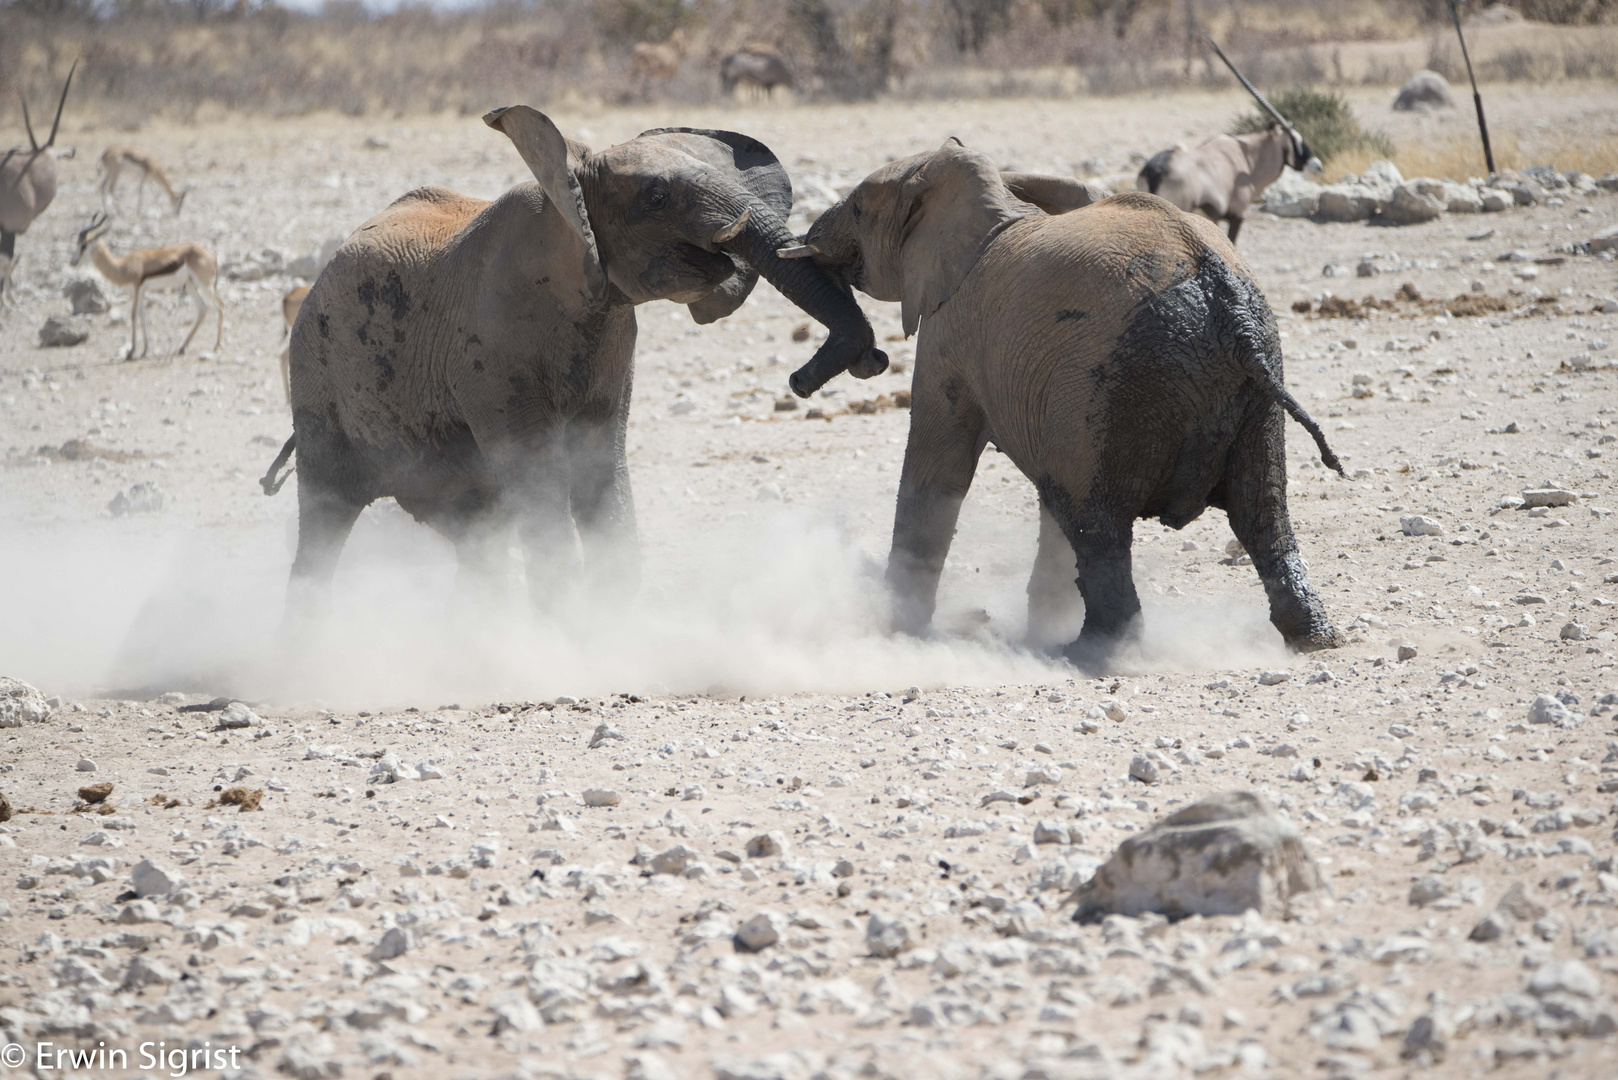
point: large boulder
(1410, 205)
(1292, 195)
(1219, 856)
(1425, 90)
(21, 704)
(1347, 202)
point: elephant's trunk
(851, 344)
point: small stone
(601, 797)
(1564, 977)
(766, 845)
(1417, 525)
(1273, 678)
(604, 733)
(760, 932)
(1428, 889)
(1050, 774)
(149, 879)
(142, 498)
(675, 860)
(1548, 710)
(1050, 831)
(1424, 90)
(1517, 905)
(86, 297)
(1572, 631)
(888, 935)
(1407, 652)
(86, 765)
(236, 715)
(62, 331)
(392, 945)
(1150, 767)
(95, 793)
(1533, 497)
(21, 703)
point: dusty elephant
(1120, 355)
(473, 359)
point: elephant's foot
(1326, 637)
(1096, 652)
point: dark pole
(1477, 98)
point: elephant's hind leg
(1101, 540)
(1257, 505)
(1054, 606)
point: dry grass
(1461, 159)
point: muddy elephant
(1121, 356)
(473, 359)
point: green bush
(1325, 121)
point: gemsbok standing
(115, 160)
(167, 267)
(1222, 176)
(27, 183)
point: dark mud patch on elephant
(393, 294)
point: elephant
(1120, 354)
(474, 359)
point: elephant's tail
(1261, 374)
(271, 485)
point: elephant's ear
(1052, 194)
(555, 162)
(957, 205)
(750, 163)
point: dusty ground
(487, 922)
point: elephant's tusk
(797, 251)
(731, 231)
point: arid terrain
(453, 844)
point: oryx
(27, 181)
(1222, 176)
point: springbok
(166, 267)
(27, 181)
(116, 159)
(1221, 177)
(291, 304)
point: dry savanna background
(741, 830)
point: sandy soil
(487, 921)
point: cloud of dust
(777, 603)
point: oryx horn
(1251, 89)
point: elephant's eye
(655, 197)
(854, 209)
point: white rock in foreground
(1219, 856)
(21, 704)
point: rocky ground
(741, 832)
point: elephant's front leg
(1054, 609)
(603, 506)
(536, 481)
(1257, 505)
(946, 438)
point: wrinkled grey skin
(473, 359)
(1121, 356)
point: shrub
(1325, 121)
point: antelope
(756, 66)
(1221, 177)
(291, 304)
(8, 267)
(658, 62)
(115, 159)
(27, 182)
(166, 267)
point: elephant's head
(912, 230)
(686, 215)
